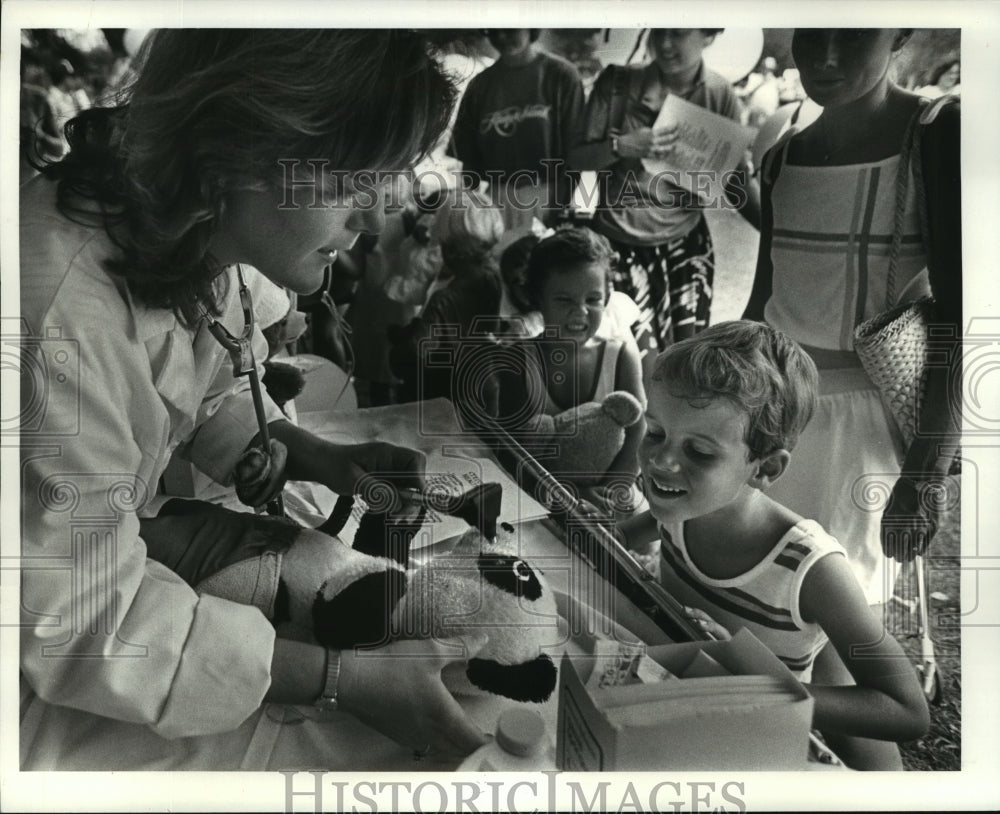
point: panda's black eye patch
(511, 574)
(530, 681)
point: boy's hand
(706, 623)
(591, 511)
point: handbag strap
(911, 145)
(926, 112)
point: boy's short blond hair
(757, 368)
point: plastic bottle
(521, 744)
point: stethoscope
(240, 349)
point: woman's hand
(341, 467)
(911, 519)
(397, 690)
(258, 476)
(907, 526)
(706, 623)
(347, 465)
(647, 142)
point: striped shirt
(764, 599)
(830, 248)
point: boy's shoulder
(811, 532)
(790, 535)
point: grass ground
(941, 748)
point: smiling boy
(725, 409)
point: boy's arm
(887, 702)
(571, 112)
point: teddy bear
(589, 436)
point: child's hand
(612, 497)
(706, 623)
(592, 510)
(647, 142)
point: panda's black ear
(381, 534)
(359, 614)
(529, 681)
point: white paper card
(708, 146)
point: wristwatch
(327, 701)
(614, 146)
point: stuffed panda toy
(321, 589)
(318, 588)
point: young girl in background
(463, 301)
(829, 212)
(568, 281)
(725, 411)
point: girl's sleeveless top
(604, 380)
(833, 228)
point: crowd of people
(148, 216)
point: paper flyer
(708, 146)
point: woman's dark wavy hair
(214, 110)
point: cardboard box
(757, 718)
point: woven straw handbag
(892, 348)
(892, 345)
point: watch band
(327, 701)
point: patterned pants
(671, 283)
